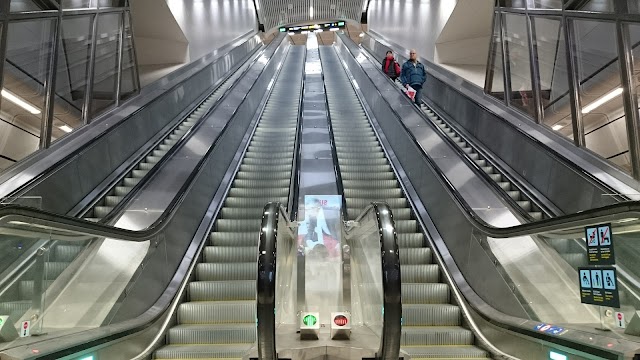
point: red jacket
(385, 67)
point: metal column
(88, 95)
(50, 86)
(4, 28)
(120, 53)
(574, 83)
(535, 70)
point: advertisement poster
(319, 233)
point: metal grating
(275, 13)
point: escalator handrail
(390, 340)
(266, 280)
(292, 204)
(445, 76)
(88, 144)
(119, 208)
(63, 222)
(619, 211)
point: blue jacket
(413, 73)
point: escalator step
(370, 162)
(428, 293)
(102, 211)
(131, 182)
(431, 315)
(408, 240)
(265, 192)
(379, 193)
(252, 202)
(273, 161)
(227, 271)
(514, 194)
(203, 352)
(526, 205)
(398, 214)
(361, 203)
(445, 352)
(230, 254)
(242, 225)
(219, 238)
(249, 175)
(377, 176)
(217, 312)
(123, 190)
(373, 184)
(415, 256)
(26, 288)
(536, 215)
(113, 200)
(205, 334)
(145, 166)
(253, 184)
(420, 274)
(241, 213)
(436, 335)
(222, 290)
(139, 173)
(66, 253)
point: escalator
(218, 318)
(17, 298)
(433, 326)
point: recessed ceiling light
(557, 127)
(65, 128)
(20, 102)
(601, 101)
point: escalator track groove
(218, 318)
(432, 325)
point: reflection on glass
(513, 3)
(25, 72)
(495, 77)
(598, 6)
(547, 4)
(78, 4)
(73, 62)
(128, 83)
(600, 91)
(111, 3)
(634, 6)
(105, 73)
(519, 64)
(29, 5)
(554, 82)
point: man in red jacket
(390, 66)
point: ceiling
(275, 13)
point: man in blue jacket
(413, 74)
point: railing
(276, 288)
(375, 267)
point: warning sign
(25, 329)
(619, 318)
(600, 245)
(598, 286)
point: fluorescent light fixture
(318, 30)
(311, 12)
(65, 128)
(334, 29)
(557, 127)
(361, 34)
(553, 355)
(304, 32)
(603, 100)
(18, 101)
(291, 33)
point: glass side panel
(546, 4)
(30, 5)
(111, 3)
(554, 82)
(519, 63)
(71, 80)
(106, 64)
(598, 6)
(128, 84)
(79, 4)
(634, 35)
(25, 72)
(495, 73)
(600, 90)
(634, 6)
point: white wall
(211, 24)
(452, 33)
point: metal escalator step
(359, 147)
(274, 148)
(431, 315)
(66, 253)
(373, 184)
(272, 161)
(164, 147)
(122, 190)
(145, 166)
(112, 200)
(526, 205)
(206, 334)
(203, 352)
(230, 254)
(217, 312)
(265, 192)
(489, 169)
(496, 177)
(361, 155)
(371, 162)
(243, 225)
(249, 238)
(420, 273)
(131, 182)
(406, 226)
(15, 309)
(536, 215)
(266, 168)
(436, 335)
(254, 175)
(222, 290)
(380, 193)
(354, 138)
(445, 352)
(398, 214)
(169, 142)
(139, 173)
(505, 185)
(514, 194)
(411, 240)
(101, 211)
(415, 256)
(428, 293)
(226, 271)
(361, 203)
(241, 213)
(153, 159)
(159, 153)
(253, 184)
(376, 176)
(474, 156)
(25, 290)
(252, 202)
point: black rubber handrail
(390, 340)
(297, 157)
(587, 175)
